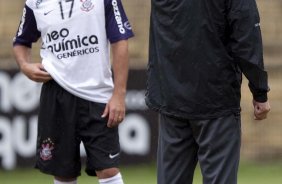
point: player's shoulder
(33, 3)
(112, 2)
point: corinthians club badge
(46, 149)
(87, 5)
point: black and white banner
(19, 100)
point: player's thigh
(101, 142)
(57, 143)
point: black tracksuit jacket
(198, 51)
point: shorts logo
(113, 156)
(46, 149)
(87, 5)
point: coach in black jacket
(198, 52)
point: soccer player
(198, 52)
(79, 100)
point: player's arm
(33, 71)
(118, 31)
(115, 109)
(27, 34)
(245, 46)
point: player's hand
(115, 111)
(35, 72)
(261, 110)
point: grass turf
(249, 173)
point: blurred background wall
(261, 140)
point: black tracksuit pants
(214, 143)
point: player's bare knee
(65, 179)
(107, 173)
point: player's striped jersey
(76, 35)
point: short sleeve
(117, 24)
(27, 32)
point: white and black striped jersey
(76, 35)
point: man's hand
(115, 111)
(261, 110)
(35, 72)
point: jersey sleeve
(27, 32)
(117, 24)
(245, 45)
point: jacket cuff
(260, 97)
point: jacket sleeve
(245, 44)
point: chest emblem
(87, 5)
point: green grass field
(146, 174)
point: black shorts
(64, 121)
